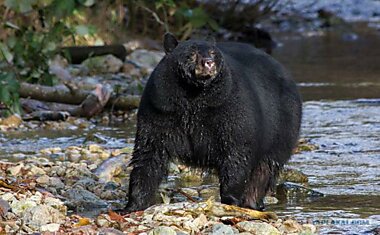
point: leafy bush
(32, 34)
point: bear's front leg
(234, 173)
(149, 168)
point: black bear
(223, 106)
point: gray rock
(111, 167)
(82, 199)
(110, 231)
(173, 168)
(222, 229)
(163, 230)
(208, 192)
(4, 206)
(146, 59)
(269, 200)
(40, 215)
(50, 227)
(20, 206)
(297, 190)
(15, 170)
(257, 228)
(35, 170)
(292, 175)
(74, 157)
(56, 182)
(44, 179)
(191, 192)
(86, 183)
(103, 64)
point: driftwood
(58, 94)
(78, 54)
(74, 101)
(91, 105)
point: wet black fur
(243, 123)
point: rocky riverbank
(76, 190)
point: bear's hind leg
(263, 178)
(233, 179)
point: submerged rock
(296, 190)
(292, 175)
(208, 192)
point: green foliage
(21, 6)
(60, 9)
(33, 36)
(197, 17)
(153, 18)
(9, 92)
(32, 51)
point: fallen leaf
(6, 185)
(82, 222)
(115, 216)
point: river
(339, 79)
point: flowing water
(340, 81)
(339, 78)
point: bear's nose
(208, 63)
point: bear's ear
(170, 42)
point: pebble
(50, 227)
(20, 206)
(34, 170)
(208, 192)
(111, 231)
(15, 170)
(257, 228)
(56, 182)
(162, 230)
(269, 200)
(222, 229)
(103, 220)
(191, 192)
(44, 179)
(74, 157)
(40, 215)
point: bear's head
(198, 62)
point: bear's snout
(205, 68)
(208, 63)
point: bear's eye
(211, 53)
(193, 56)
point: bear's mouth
(205, 69)
(205, 75)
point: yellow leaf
(82, 222)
